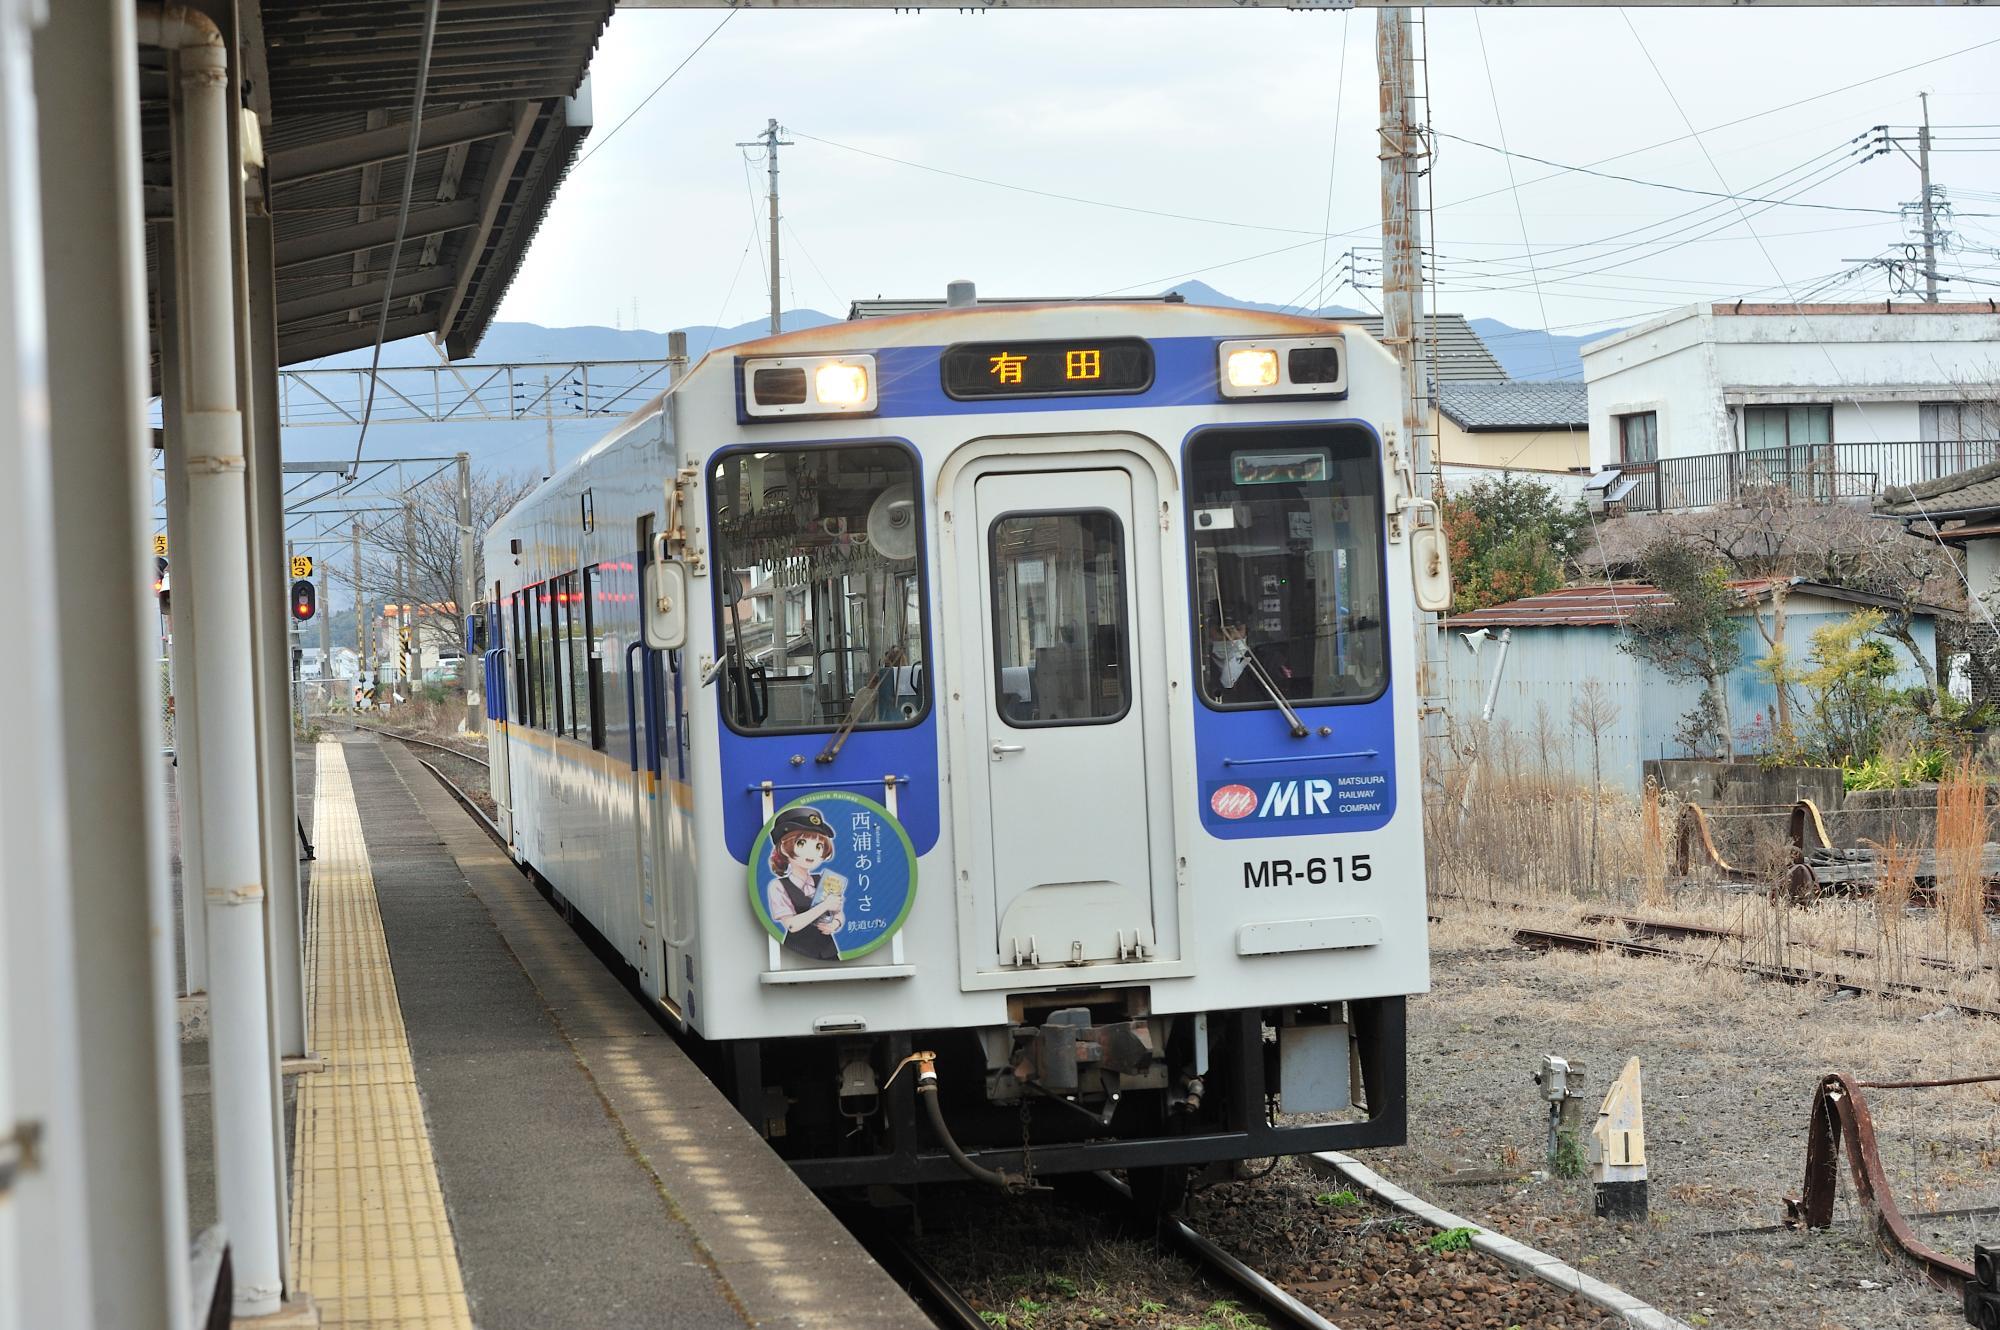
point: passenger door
(1068, 782)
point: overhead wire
(425, 43)
(792, 231)
(612, 133)
(1839, 377)
(1503, 150)
(1055, 194)
(1332, 160)
(1578, 451)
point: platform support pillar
(269, 581)
(128, 1037)
(186, 598)
(45, 1270)
(208, 251)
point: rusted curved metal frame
(1808, 829)
(1839, 1112)
(1692, 830)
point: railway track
(452, 787)
(1261, 1295)
(1549, 940)
(947, 1306)
(422, 743)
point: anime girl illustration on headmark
(802, 897)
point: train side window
(576, 658)
(520, 661)
(1285, 532)
(594, 650)
(819, 596)
(538, 656)
(552, 653)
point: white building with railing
(1837, 401)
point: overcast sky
(1232, 118)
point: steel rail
(926, 1285)
(427, 743)
(1278, 1306)
(486, 823)
(1545, 940)
(1675, 931)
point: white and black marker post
(1618, 1150)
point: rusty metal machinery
(1840, 1114)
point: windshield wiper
(1264, 680)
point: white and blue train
(990, 733)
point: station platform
(503, 1136)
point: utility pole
(1403, 155)
(406, 635)
(292, 664)
(466, 594)
(360, 618)
(771, 143)
(325, 628)
(550, 416)
(1930, 218)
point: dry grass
(1652, 848)
(1526, 827)
(1961, 844)
(1520, 857)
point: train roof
(1143, 316)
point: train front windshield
(819, 595)
(1287, 536)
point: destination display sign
(1048, 369)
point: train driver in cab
(803, 898)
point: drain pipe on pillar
(1617, 1150)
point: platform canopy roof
(332, 83)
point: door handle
(1001, 750)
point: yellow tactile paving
(370, 1240)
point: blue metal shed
(1567, 638)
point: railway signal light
(161, 586)
(305, 600)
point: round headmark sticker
(832, 875)
(1233, 801)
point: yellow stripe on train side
(565, 749)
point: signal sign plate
(302, 565)
(160, 545)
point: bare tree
(1776, 532)
(413, 557)
(1593, 712)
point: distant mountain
(1530, 353)
(523, 446)
(1201, 293)
(532, 341)
(1525, 353)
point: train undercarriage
(1074, 1084)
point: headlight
(809, 386)
(1252, 367)
(841, 384)
(1284, 367)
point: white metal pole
(45, 1273)
(269, 580)
(127, 1038)
(186, 627)
(232, 883)
(771, 155)
(468, 595)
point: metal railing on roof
(1821, 472)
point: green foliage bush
(1509, 538)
